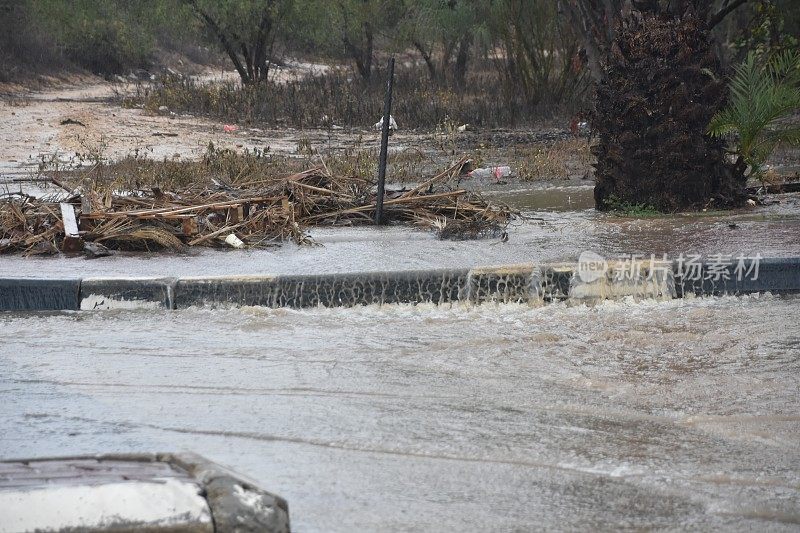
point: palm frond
(787, 135)
(761, 97)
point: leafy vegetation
(631, 210)
(762, 96)
(541, 52)
(103, 36)
(774, 27)
(514, 49)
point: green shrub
(106, 46)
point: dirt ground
(75, 124)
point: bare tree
(249, 46)
(356, 21)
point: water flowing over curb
(527, 284)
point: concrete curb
(236, 503)
(526, 283)
(775, 275)
(340, 290)
(201, 495)
(39, 294)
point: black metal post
(387, 113)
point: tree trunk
(226, 43)
(362, 53)
(597, 20)
(263, 36)
(429, 63)
(253, 66)
(659, 88)
(462, 59)
(366, 58)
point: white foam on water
(95, 302)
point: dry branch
(259, 212)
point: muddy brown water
(627, 415)
(677, 415)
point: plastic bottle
(491, 172)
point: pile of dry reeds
(255, 213)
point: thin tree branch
(724, 11)
(223, 39)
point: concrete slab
(154, 493)
(162, 505)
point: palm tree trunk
(660, 86)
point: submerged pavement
(678, 414)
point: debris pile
(254, 213)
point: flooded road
(680, 414)
(567, 227)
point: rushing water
(558, 235)
(680, 414)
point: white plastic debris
(462, 128)
(579, 127)
(491, 172)
(392, 124)
(234, 241)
